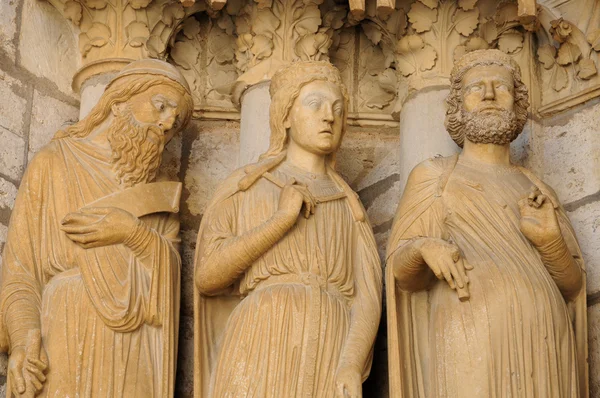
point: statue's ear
(117, 109)
(286, 123)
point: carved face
(488, 88)
(316, 119)
(160, 105)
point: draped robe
(516, 336)
(285, 334)
(109, 318)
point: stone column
(422, 132)
(254, 126)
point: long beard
(498, 127)
(135, 158)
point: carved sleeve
(365, 312)
(21, 285)
(562, 260)
(222, 256)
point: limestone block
(13, 104)
(48, 45)
(572, 155)
(362, 151)
(47, 116)
(8, 26)
(213, 157)
(586, 222)
(12, 153)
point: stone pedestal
(254, 125)
(422, 131)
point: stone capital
(112, 33)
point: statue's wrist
(284, 217)
(139, 238)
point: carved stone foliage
(569, 60)
(204, 52)
(421, 40)
(124, 29)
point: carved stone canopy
(385, 49)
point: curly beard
(136, 149)
(498, 127)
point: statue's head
(149, 101)
(309, 106)
(488, 100)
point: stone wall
(38, 59)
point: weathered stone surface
(13, 105)
(171, 159)
(184, 387)
(12, 152)
(594, 349)
(47, 44)
(586, 222)
(572, 154)
(8, 26)
(188, 247)
(8, 193)
(213, 157)
(362, 150)
(47, 116)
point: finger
(455, 255)
(38, 363)
(460, 266)
(36, 383)
(18, 381)
(78, 229)
(468, 266)
(79, 219)
(39, 375)
(82, 238)
(448, 276)
(540, 200)
(456, 275)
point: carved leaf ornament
(568, 55)
(414, 55)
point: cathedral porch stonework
(395, 58)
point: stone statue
(486, 284)
(89, 297)
(288, 256)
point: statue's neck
(486, 153)
(305, 160)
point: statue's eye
(474, 88)
(338, 110)
(502, 86)
(314, 104)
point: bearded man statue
(486, 283)
(288, 280)
(89, 296)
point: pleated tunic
(513, 338)
(285, 337)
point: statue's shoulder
(433, 169)
(45, 156)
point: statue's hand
(538, 219)
(348, 382)
(26, 372)
(293, 197)
(445, 261)
(99, 226)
